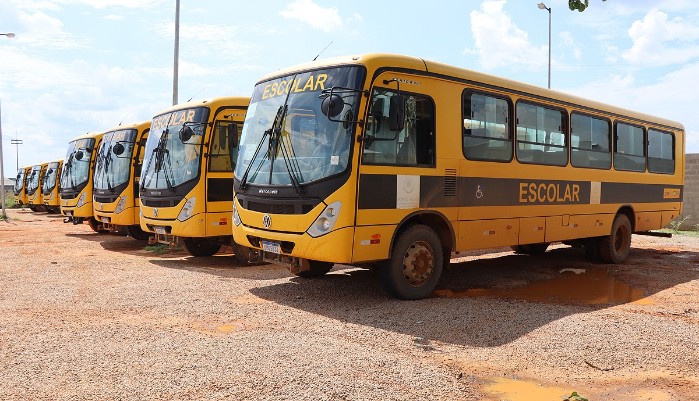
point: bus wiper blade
(292, 166)
(268, 133)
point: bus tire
(531, 249)
(416, 264)
(96, 226)
(137, 233)
(318, 269)
(243, 254)
(200, 247)
(615, 247)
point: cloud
(325, 19)
(500, 42)
(659, 39)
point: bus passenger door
(397, 168)
(219, 180)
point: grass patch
(688, 233)
(158, 249)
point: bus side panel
(532, 230)
(559, 228)
(488, 233)
(668, 217)
(372, 242)
(648, 221)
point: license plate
(160, 230)
(272, 247)
(69, 213)
(106, 220)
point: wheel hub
(418, 264)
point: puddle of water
(591, 287)
(519, 390)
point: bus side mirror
(232, 136)
(396, 113)
(186, 134)
(332, 105)
(79, 155)
(49, 171)
(118, 149)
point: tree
(579, 5)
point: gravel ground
(90, 316)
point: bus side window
(219, 154)
(629, 149)
(414, 145)
(541, 137)
(487, 133)
(661, 152)
(589, 142)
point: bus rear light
(326, 221)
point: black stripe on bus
(379, 191)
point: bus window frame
(674, 150)
(645, 145)
(610, 138)
(565, 121)
(511, 124)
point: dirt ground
(94, 316)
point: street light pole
(16, 142)
(2, 168)
(177, 53)
(542, 6)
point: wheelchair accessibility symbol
(479, 192)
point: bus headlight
(81, 200)
(236, 216)
(187, 209)
(326, 221)
(121, 205)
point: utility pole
(16, 142)
(177, 53)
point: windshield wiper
(276, 125)
(292, 165)
(159, 153)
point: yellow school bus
(395, 162)
(50, 187)
(115, 181)
(76, 181)
(20, 187)
(35, 198)
(187, 181)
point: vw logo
(266, 221)
(155, 212)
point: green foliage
(157, 249)
(579, 5)
(677, 224)
(9, 200)
(575, 397)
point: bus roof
(227, 100)
(138, 126)
(89, 135)
(374, 61)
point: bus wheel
(317, 269)
(531, 249)
(95, 225)
(416, 264)
(136, 233)
(243, 254)
(615, 247)
(200, 246)
(32, 208)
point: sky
(78, 66)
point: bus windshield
(50, 178)
(287, 139)
(19, 182)
(76, 170)
(174, 148)
(113, 162)
(33, 180)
